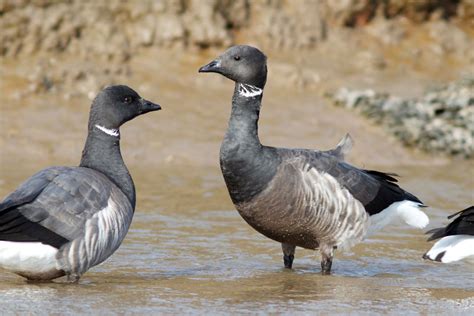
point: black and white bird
(299, 197)
(65, 220)
(457, 238)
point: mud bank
(91, 43)
(114, 29)
(70, 49)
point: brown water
(188, 251)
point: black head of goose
(65, 220)
(456, 240)
(299, 197)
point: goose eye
(237, 57)
(127, 99)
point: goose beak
(148, 106)
(213, 66)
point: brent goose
(299, 197)
(65, 220)
(457, 238)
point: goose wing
(462, 225)
(324, 205)
(375, 190)
(52, 206)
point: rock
(370, 60)
(449, 37)
(420, 10)
(205, 26)
(441, 121)
(389, 32)
(281, 24)
(169, 32)
(351, 12)
(466, 11)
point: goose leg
(288, 254)
(73, 278)
(327, 254)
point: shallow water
(186, 256)
(188, 251)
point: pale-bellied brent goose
(457, 238)
(65, 220)
(299, 197)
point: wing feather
(462, 225)
(52, 206)
(374, 189)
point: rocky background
(76, 47)
(115, 29)
(442, 120)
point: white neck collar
(249, 91)
(111, 132)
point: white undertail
(27, 256)
(451, 248)
(405, 211)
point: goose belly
(280, 226)
(288, 226)
(307, 209)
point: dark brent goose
(64, 220)
(299, 197)
(457, 239)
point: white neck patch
(249, 91)
(111, 132)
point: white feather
(322, 188)
(27, 256)
(103, 234)
(249, 91)
(455, 248)
(112, 226)
(406, 211)
(108, 131)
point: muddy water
(188, 250)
